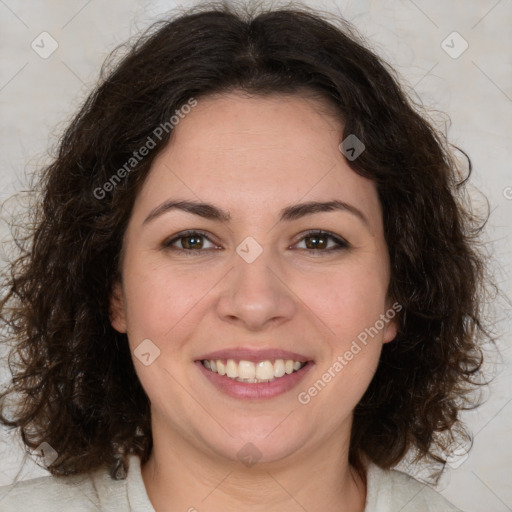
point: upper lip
(254, 355)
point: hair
(73, 382)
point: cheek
(350, 305)
(347, 300)
(159, 298)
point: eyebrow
(289, 213)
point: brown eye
(191, 241)
(325, 242)
(316, 241)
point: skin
(253, 156)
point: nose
(255, 295)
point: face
(263, 275)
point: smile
(254, 380)
(253, 372)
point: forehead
(232, 125)
(241, 152)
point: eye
(189, 241)
(323, 241)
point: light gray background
(38, 97)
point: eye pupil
(196, 242)
(312, 242)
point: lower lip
(255, 391)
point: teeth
(247, 371)
(264, 370)
(231, 369)
(221, 367)
(279, 368)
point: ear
(117, 311)
(391, 327)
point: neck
(182, 476)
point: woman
(251, 284)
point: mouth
(253, 372)
(246, 374)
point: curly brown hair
(73, 379)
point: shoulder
(389, 491)
(81, 493)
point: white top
(387, 491)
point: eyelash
(341, 244)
